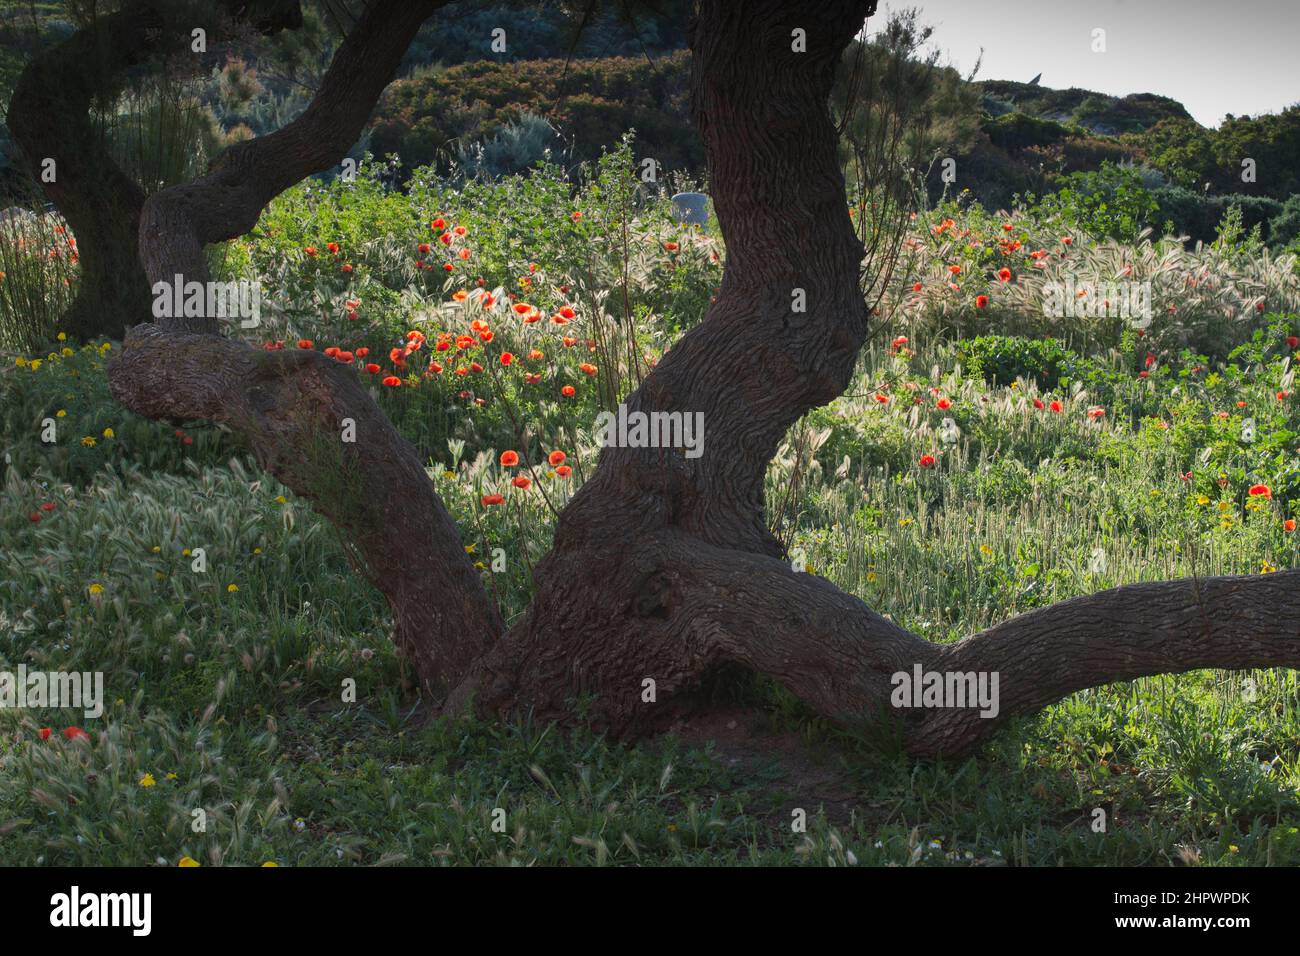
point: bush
(1109, 202)
(1002, 359)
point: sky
(1215, 58)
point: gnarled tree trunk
(662, 566)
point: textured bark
(753, 367)
(662, 566)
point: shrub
(1002, 359)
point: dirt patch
(778, 766)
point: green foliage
(1002, 359)
(1109, 202)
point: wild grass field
(987, 460)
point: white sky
(1241, 57)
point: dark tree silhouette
(662, 567)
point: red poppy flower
(488, 500)
(576, 216)
(1056, 406)
(392, 381)
(332, 247)
(1004, 274)
(568, 391)
(981, 301)
(564, 471)
(916, 287)
(1261, 491)
(927, 461)
(882, 399)
(75, 733)
(899, 342)
(532, 378)
(509, 459)
(1038, 403)
(507, 358)
(1289, 525)
(310, 250)
(45, 733)
(346, 268)
(1293, 340)
(556, 458)
(536, 354)
(955, 270)
(304, 343)
(944, 404)
(671, 246)
(588, 368)
(521, 481)
(372, 368)
(34, 518)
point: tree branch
(178, 222)
(292, 407)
